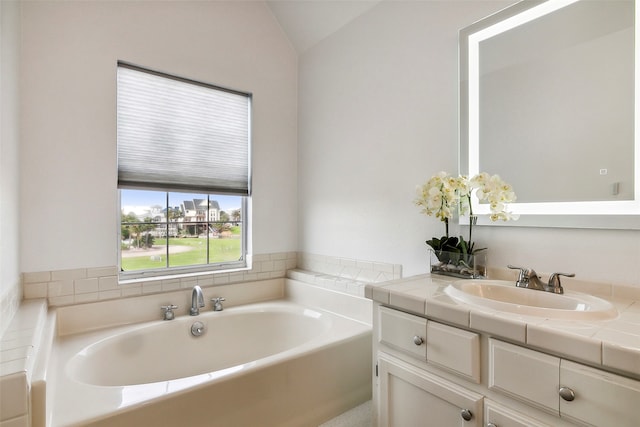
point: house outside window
(183, 174)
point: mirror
(548, 95)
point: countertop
(612, 344)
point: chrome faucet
(528, 278)
(217, 303)
(197, 300)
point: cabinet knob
(567, 394)
(417, 340)
(466, 414)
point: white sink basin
(502, 295)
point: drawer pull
(418, 340)
(466, 414)
(567, 394)
(491, 425)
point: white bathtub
(266, 364)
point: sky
(139, 200)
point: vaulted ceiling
(306, 22)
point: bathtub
(265, 364)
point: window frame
(186, 270)
(195, 269)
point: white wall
(10, 289)
(377, 116)
(69, 209)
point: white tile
(14, 392)
(170, 285)
(627, 292)
(22, 421)
(221, 279)
(35, 290)
(63, 300)
(512, 329)
(86, 297)
(132, 290)
(618, 355)
(265, 266)
(576, 343)
(151, 287)
(36, 277)
(458, 315)
(108, 283)
(102, 271)
(60, 288)
(406, 301)
(109, 294)
(83, 286)
(73, 274)
(22, 352)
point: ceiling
(306, 22)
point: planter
(456, 264)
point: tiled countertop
(611, 344)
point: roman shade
(178, 134)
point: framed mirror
(548, 101)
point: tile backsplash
(81, 285)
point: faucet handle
(168, 311)
(554, 282)
(217, 303)
(523, 274)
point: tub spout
(197, 301)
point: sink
(502, 295)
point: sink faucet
(197, 300)
(528, 278)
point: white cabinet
(570, 390)
(430, 374)
(412, 397)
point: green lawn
(220, 250)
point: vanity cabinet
(410, 396)
(570, 390)
(432, 374)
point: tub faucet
(528, 278)
(197, 300)
(217, 303)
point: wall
(68, 199)
(377, 116)
(10, 289)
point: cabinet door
(601, 398)
(500, 416)
(525, 374)
(410, 397)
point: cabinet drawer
(454, 349)
(403, 331)
(601, 398)
(500, 416)
(524, 374)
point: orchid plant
(442, 195)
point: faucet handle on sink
(554, 282)
(524, 275)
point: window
(183, 174)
